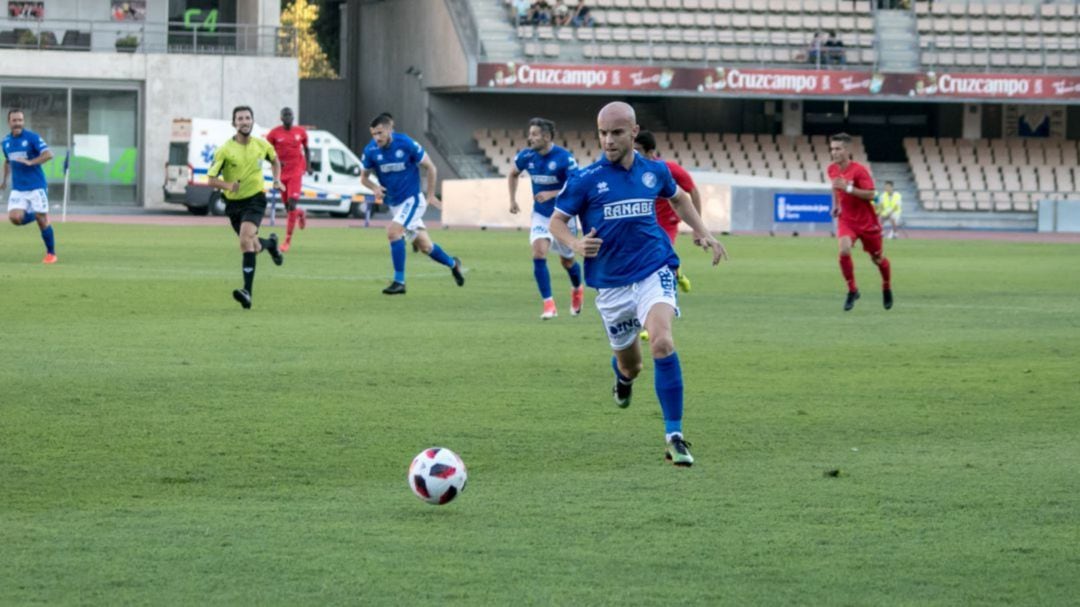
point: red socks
(847, 268)
(886, 273)
(291, 225)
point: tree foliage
(302, 14)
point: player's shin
(50, 240)
(249, 270)
(397, 257)
(440, 256)
(669, 391)
(543, 278)
(886, 273)
(847, 268)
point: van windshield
(342, 164)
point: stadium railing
(148, 37)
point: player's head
(888, 186)
(287, 117)
(645, 144)
(839, 148)
(243, 118)
(16, 119)
(382, 128)
(616, 124)
(541, 133)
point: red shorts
(869, 235)
(292, 185)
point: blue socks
(28, 217)
(575, 274)
(669, 390)
(543, 278)
(438, 255)
(397, 255)
(50, 242)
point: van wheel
(339, 215)
(216, 204)
(198, 210)
(354, 211)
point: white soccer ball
(437, 475)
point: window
(342, 164)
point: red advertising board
(755, 82)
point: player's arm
(431, 174)
(275, 170)
(835, 210)
(685, 209)
(213, 178)
(512, 182)
(7, 171)
(695, 199)
(365, 180)
(586, 246)
(44, 157)
(861, 187)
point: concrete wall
(326, 106)
(173, 86)
(385, 40)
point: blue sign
(802, 208)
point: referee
(237, 172)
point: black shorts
(249, 209)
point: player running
(629, 260)
(291, 144)
(645, 144)
(853, 195)
(397, 160)
(24, 153)
(548, 166)
(237, 171)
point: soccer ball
(437, 475)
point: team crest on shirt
(601, 188)
(25, 143)
(530, 165)
(379, 157)
(399, 154)
(649, 179)
(552, 166)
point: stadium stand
(801, 158)
(743, 31)
(992, 174)
(997, 35)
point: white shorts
(624, 309)
(541, 229)
(411, 215)
(33, 200)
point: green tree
(302, 14)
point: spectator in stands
(561, 14)
(889, 208)
(834, 50)
(520, 11)
(581, 15)
(541, 12)
(813, 51)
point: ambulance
(332, 183)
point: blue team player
(24, 153)
(396, 159)
(630, 262)
(548, 166)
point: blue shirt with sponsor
(28, 145)
(548, 172)
(619, 204)
(397, 166)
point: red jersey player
(645, 144)
(291, 144)
(853, 195)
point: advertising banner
(729, 81)
(802, 208)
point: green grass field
(159, 445)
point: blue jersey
(28, 145)
(619, 204)
(397, 166)
(548, 172)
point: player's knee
(15, 220)
(661, 346)
(425, 247)
(567, 262)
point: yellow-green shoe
(678, 452)
(684, 282)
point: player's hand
(711, 244)
(280, 187)
(435, 202)
(25, 161)
(514, 208)
(234, 186)
(379, 192)
(546, 196)
(589, 245)
(835, 211)
(840, 183)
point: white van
(332, 183)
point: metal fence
(148, 37)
